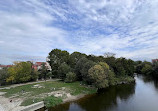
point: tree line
(99, 71)
(22, 72)
(147, 68)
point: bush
(70, 77)
(63, 70)
(51, 101)
(98, 76)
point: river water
(139, 96)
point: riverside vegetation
(147, 68)
(79, 74)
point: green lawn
(32, 95)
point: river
(139, 96)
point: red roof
(39, 63)
(5, 65)
(154, 60)
(34, 67)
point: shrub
(70, 77)
(98, 76)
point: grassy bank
(53, 92)
(33, 93)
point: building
(154, 60)
(47, 64)
(38, 65)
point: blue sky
(30, 29)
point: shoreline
(6, 105)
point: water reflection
(149, 80)
(142, 96)
(100, 101)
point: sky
(30, 29)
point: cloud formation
(30, 29)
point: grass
(51, 101)
(28, 93)
(30, 101)
(74, 88)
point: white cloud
(28, 34)
(33, 27)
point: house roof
(5, 65)
(39, 63)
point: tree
(128, 66)
(84, 70)
(109, 54)
(20, 72)
(119, 68)
(98, 76)
(79, 67)
(43, 71)
(70, 77)
(63, 70)
(56, 58)
(138, 68)
(34, 74)
(3, 76)
(74, 58)
(82, 67)
(104, 65)
(110, 74)
(111, 78)
(49, 75)
(155, 70)
(147, 69)
(111, 61)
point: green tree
(63, 70)
(74, 58)
(70, 77)
(98, 76)
(104, 65)
(34, 74)
(155, 70)
(79, 67)
(43, 71)
(56, 58)
(111, 78)
(119, 68)
(3, 76)
(20, 72)
(82, 67)
(147, 69)
(84, 70)
(49, 75)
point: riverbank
(57, 92)
(17, 98)
(139, 96)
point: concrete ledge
(34, 107)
